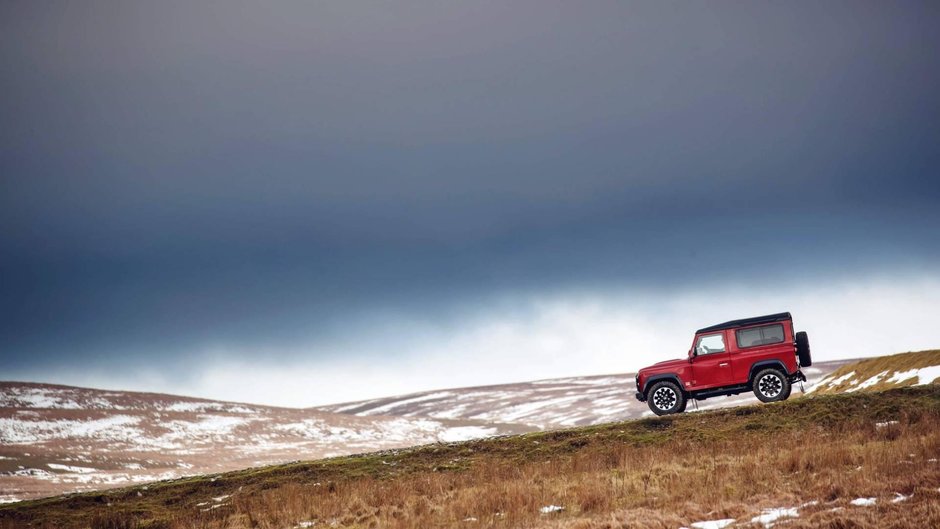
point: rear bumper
(798, 376)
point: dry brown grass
(655, 473)
(866, 369)
(670, 485)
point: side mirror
(691, 354)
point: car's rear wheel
(802, 349)
(665, 397)
(770, 385)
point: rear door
(711, 366)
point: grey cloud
(182, 174)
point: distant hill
(883, 372)
(543, 404)
(56, 439)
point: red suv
(760, 354)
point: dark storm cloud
(176, 176)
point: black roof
(770, 318)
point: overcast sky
(309, 202)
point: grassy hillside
(811, 457)
(883, 372)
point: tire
(802, 349)
(786, 394)
(771, 385)
(665, 398)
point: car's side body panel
(745, 354)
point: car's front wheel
(665, 397)
(770, 385)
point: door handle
(723, 364)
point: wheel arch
(672, 377)
(764, 364)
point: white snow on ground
(465, 433)
(518, 412)
(831, 383)
(548, 509)
(925, 375)
(37, 398)
(452, 413)
(605, 381)
(863, 502)
(31, 473)
(713, 524)
(202, 407)
(74, 470)
(9, 499)
(898, 497)
(418, 430)
(886, 423)
(868, 383)
(211, 425)
(384, 409)
(768, 517)
(115, 427)
(52, 398)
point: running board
(717, 392)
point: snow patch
(831, 383)
(768, 517)
(925, 375)
(868, 383)
(863, 502)
(713, 524)
(74, 470)
(898, 497)
(465, 433)
(114, 428)
(548, 509)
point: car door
(711, 365)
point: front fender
(652, 379)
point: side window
(749, 337)
(711, 343)
(772, 334)
(766, 335)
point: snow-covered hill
(542, 404)
(883, 372)
(57, 439)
